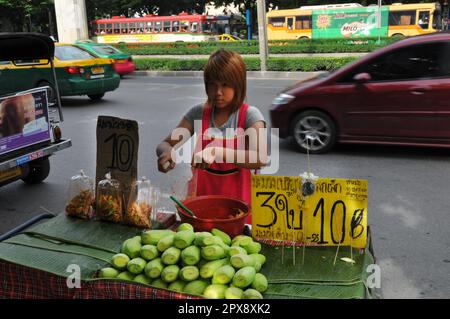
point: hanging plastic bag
(183, 183)
(108, 205)
(140, 204)
(80, 196)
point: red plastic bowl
(212, 211)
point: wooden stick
(351, 245)
(337, 251)
(293, 243)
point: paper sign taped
(335, 214)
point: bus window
(124, 27)
(176, 26)
(167, 26)
(402, 17)
(116, 28)
(109, 28)
(194, 27)
(207, 27)
(149, 27)
(184, 26)
(424, 19)
(290, 23)
(102, 28)
(158, 26)
(303, 22)
(132, 26)
(277, 22)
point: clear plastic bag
(183, 183)
(80, 196)
(109, 200)
(140, 204)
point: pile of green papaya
(207, 264)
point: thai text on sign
(335, 214)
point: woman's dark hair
(227, 67)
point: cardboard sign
(117, 151)
(335, 214)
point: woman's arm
(253, 157)
(164, 149)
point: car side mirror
(362, 78)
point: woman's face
(220, 94)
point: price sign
(335, 214)
(117, 151)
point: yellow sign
(335, 214)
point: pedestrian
(221, 165)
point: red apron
(223, 178)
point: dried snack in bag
(139, 205)
(80, 196)
(108, 205)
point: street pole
(248, 21)
(262, 34)
(379, 21)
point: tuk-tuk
(29, 120)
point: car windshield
(69, 52)
(104, 49)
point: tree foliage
(33, 15)
(28, 15)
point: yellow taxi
(228, 38)
(78, 73)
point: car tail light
(74, 70)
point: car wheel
(39, 170)
(96, 97)
(314, 131)
(51, 92)
(398, 36)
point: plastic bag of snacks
(80, 196)
(139, 205)
(108, 204)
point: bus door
(290, 23)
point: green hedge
(252, 47)
(306, 64)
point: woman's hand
(204, 158)
(165, 160)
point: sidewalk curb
(250, 74)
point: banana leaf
(54, 262)
(306, 291)
(318, 265)
(36, 242)
(90, 233)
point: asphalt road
(408, 187)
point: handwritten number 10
(122, 152)
(320, 206)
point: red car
(397, 95)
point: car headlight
(282, 99)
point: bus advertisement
(355, 22)
(352, 20)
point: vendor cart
(42, 258)
(29, 121)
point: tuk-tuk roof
(25, 46)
